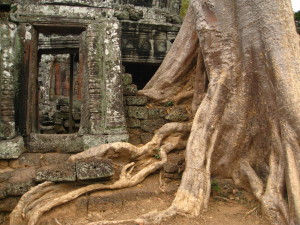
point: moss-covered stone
(130, 90)
(127, 79)
(178, 114)
(136, 100)
(157, 112)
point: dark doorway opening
(59, 91)
(141, 73)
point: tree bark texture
(247, 125)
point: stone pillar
(105, 103)
(7, 79)
(10, 145)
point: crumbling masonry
(61, 70)
(65, 85)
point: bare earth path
(228, 206)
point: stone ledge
(65, 143)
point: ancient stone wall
(33, 29)
(143, 117)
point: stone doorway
(50, 102)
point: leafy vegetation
(297, 16)
(184, 7)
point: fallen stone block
(56, 173)
(94, 168)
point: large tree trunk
(247, 126)
(244, 59)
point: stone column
(105, 104)
(11, 146)
(7, 79)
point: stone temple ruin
(62, 63)
(69, 74)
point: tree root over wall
(136, 164)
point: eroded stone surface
(11, 149)
(138, 112)
(136, 100)
(56, 173)
(178, 114)
(21, 181)
(26, 160)
(94, 168)
(67, 143)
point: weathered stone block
(133, 123)
(64, 143)
(3, 192)
(157, 112)
(77, 116)
(178, 114)
(127, 79)
(135, 14)
(134, 136)
(4, 164)
(5, 175)
(116, 138)
(94, 168)
(93, 140)
(26, 160)
(11, 149)
(8, 204)
(146, 137)
(21, 181)
(130, 90)
(122, 15)
(60, 115)
(49, 159)
(64, 109)
(56, 173)
(171, 167)
(136, 100)
(152, 125)
(138, 112)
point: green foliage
(169, 103)
(215, 186)
(297, 16)
(157, 155)
(184, 7)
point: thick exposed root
(171, 136)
